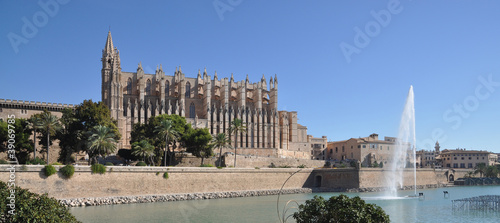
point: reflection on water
(433, 208)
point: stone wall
(121, 181)
(263, 162)
(373, 178)
(128, 181)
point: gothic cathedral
(205, 102)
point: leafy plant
(24, 168)
(98, 168)
(36, 161)
(353, 163)
(49, 170)
(220, 167)
(4, 162)
(302, 166)
(285, 166)
(206, 165)
(141, 163)
(67, 171)
(109, 164)
(339, 209)
(31, 207)
(157, 173)
(56, 164)
(165, 175)
(328, 164)
(257, 167)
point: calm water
(434, 208)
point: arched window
(129, 86)
(148, 87)
(167, 88)
(188, 90)
(192, 111)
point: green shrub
(301, 166)
(342, 166)
(36, 161)
(328, 164)
(257, 167)
(140, 163)
(56, 164)
(220, 167)
(98, 168)
(285, 166)
(272, 165)
(353, 163)
(24, 168)
(109, 164)
(157, 173)
(4, 162)
(31, 207)
(49, 170)
(67, 171)
(165, 175)
(339, 209)
(206, 165)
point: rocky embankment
(379, 189)
(80, 202)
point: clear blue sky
(442, 48)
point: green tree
(34, 124)
(147, 131)
(50, 124)
(143, 149)
(480, 168)
(197, 142)
(237, 126)
(101, 142)
(23, 146)
(339, 209)
(31, 207)
(70, 136)
(491, 171)
(221, 141)
(166, 129)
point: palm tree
(34, 123)
(143, 149)
(101, 141)
(480, 168)
(221, 141)
(49, 123)
(166, 129)
(236, 127)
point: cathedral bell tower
(111, 88)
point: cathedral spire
(140, 66)
(109, 48)
(215, 76)
(205, 71)
(232, 78)
(247, 79)
(199, 74)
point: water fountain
(405, 151)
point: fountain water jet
(405, 151)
